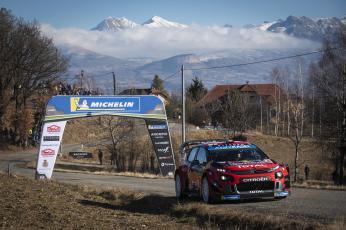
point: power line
(225, 66)
(171, 76)
(264, 61)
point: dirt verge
(29, 204)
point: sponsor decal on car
(53, 129)
(240, 146)
(255, 179)
(247, 164)
(256, 191)
(51, 138)
(48, 152)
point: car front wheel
(178, 187)
(206, 196)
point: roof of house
(264, 90)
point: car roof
(211, 143)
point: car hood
(248, 165)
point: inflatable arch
(60, 109)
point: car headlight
(226, 178)
(279, 175)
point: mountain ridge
(140, 71)
(315, 29)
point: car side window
(192, 155)
(201, 156)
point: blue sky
(87, 13)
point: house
(258, 93)
(263, 102)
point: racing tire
(179, 192)
(206, 191)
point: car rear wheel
(206, 196)
(178, 187)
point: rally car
(229, 170)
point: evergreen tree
(196, 90)
(158, 86)
(194, 93)
(157, 83)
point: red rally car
(229, 170)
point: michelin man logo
(84, 105)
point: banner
(68, 107)
(62, 108)
(159, 134)
(49, 147)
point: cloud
(164, 42)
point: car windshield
(224, 155)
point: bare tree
(275, 76)
(119, 130)
(234, 110)
(29, 61)
(301, 86)
(329, 77)
(296, 109)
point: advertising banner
(68, 107)
(62, 108)
(49, 147)
(159, 134)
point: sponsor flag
(49, 147)
(159, 134)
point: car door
(198, 167)
(191, 175)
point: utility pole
(114, 84)
(183, 99)
(342, 138)
(81, 78)
(260, 97)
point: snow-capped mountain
(118, 24)
(158, 22)
(265, 25)
(305, 27)
(139, 71)
(115, 24)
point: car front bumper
(232, 192)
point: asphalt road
(312, 204)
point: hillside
(30, 204)
(280, 149)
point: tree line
(308, 102)
(29, 65)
